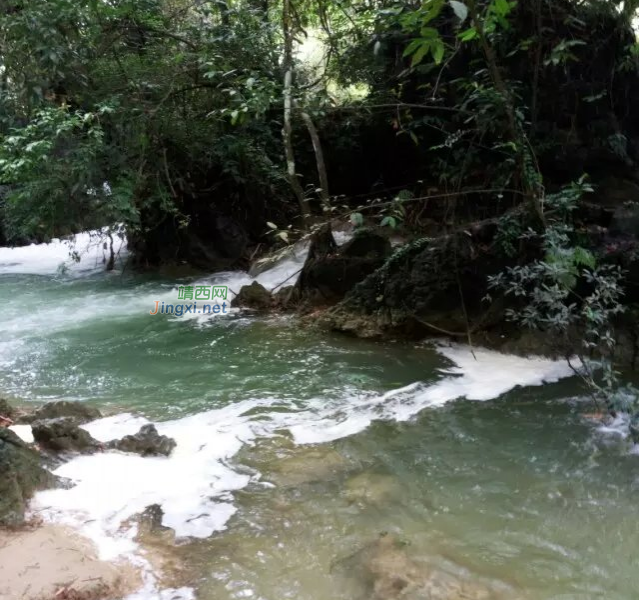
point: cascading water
(225, 387)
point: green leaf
(501, 7)
(389, 221)
(438, 52)
(357, 219)
(468, 35)
(583, 257)
(429, 33)
(421, 52)
(460, 9)
(416, 43)
(271, 225)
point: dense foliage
(166, 115)
(209, 128)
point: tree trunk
(287, 132)
(319, 159)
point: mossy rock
(79, 412)
(20, 476)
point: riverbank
(51, 562)
(296, 449)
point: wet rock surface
(254, 296)
(147, 442)
(388, 572)
(285, 464)
(20, 476)
(329, 272)
(79, 412)
(372, 489)
(64, 435)
(7, 411)
(286, 298)
(307, 465)
(419, 289)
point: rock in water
(63, 435)
(388, 572)
(286, 298)
(330, 272)
(147, 442)
(150, 528)
(80, 412)
(391, 570)
(306, 465)
(20, 476)
(420, 287)
(6, 410)
(254, 296)
(372, 489)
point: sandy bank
(50, 562)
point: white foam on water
(23, 432)
(283, 273)
(47, 259)
(35, 314)
(195, 484)
(476, 375)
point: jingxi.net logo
(198, 292)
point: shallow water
(297, 450)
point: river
(296, 450)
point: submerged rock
(64, 435)
(254, 296)
(372, 489)
(146, 442)
(79, 412)
(392, 572)
(20, 476)
(307, 465)
(288, 465)
(387, 572)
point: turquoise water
(94, 339)
(516, 496)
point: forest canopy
(196, 123)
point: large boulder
(147, 442)
(20, 476)
(329, 272)
(254, 296)
(7, 411)
(64, 435)
(79, 412)
(431, 285)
